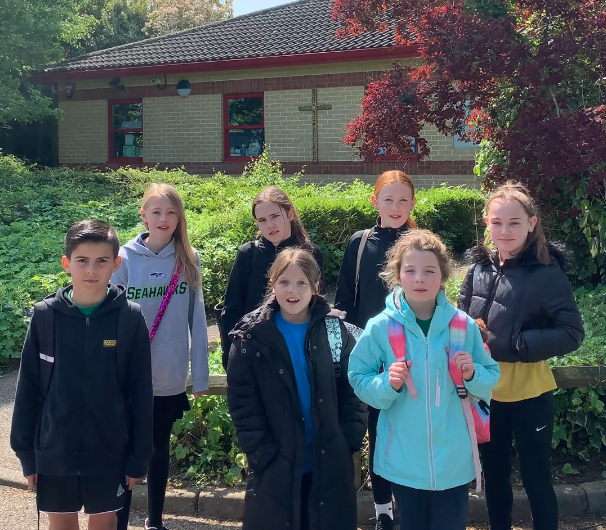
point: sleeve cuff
(199, 385)
(28, 463)
(136, 468)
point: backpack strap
(333, 330)
(457, 331)
(397, 340)
(44, 320)
(363, 240)
(127, 324)
(476, 272)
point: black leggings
(166, 411)
(530, 423)
(381, 488)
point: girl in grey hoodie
(149, 262)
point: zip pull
(87, 322)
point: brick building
(212, 97)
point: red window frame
(110, 133)
(226, 128)
(398, 158)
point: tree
(101, 24)
(174, 15)
(31, 31)
(527, 77)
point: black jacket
(529, 308)
(264, 406)
(86, 424)
(371, 289)
(247, 283)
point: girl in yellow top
(521, 292)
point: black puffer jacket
(371, 289)
(247, 283)
(529, 308)
(264, 406)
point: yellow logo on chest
(109, 343)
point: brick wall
(288, 131)
(442, 147)
(83, 132)
(180, 129)
(345, 103)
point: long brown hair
(301, 258)
(185, 257)
(392, 177)
(514, 191)
(416, 239)
(279, 197)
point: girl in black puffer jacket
(522, 294)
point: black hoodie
(86, 424)
(371, 289)
(247, 283)
(528, 308)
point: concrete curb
(588, 498)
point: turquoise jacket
(421, 443)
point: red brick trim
(231, 86)
(425, 167)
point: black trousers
(381, 488)
(432, 510)
(167, 409)
(530, 424)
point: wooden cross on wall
(314, 108)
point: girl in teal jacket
(423, 444)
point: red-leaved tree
(528, 77)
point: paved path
(18, 512)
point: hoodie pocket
(170, 364)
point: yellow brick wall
(442, 146)
(177, 129)
(345, 103)
(83, 132)
(288, 131)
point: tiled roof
(300, 27)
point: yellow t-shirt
(519, 381)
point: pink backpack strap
(457, 335)
(397, 341)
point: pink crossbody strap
(172, 285)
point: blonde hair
(185, 258)
(514, 191)
(301, 258)
(392, 177)
(415, 240)
(279, 197)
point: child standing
(280, 228)
(525, 299)
(296, 417)
(155, 264)
(82, 434)
(361, 292)
(423, 446)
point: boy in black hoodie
(82, 421)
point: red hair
(392, 177)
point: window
(125, 130)
(382, 156)
(457, 142)
(244, 133)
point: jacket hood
(60, 301)
(397, 308)
(559, 255)
(266, 313)
(137, 246)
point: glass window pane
(128, 145)
(246, 142)
(245, 111)
(127, 116)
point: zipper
(432, 471)
(83, 390)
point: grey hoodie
(182, 332)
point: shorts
(69, 493)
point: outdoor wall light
(183, 88)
